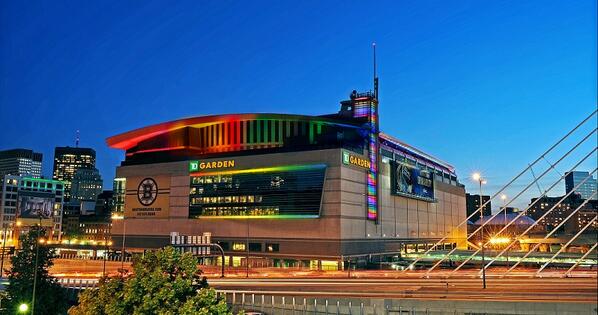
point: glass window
(255, 247)
(275, 192)
(239, 246)
(272, 247)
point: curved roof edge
(129, 139)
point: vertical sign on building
(366, 106)
(372, 176)
(374, 149)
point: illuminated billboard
(411, 181)
(35, 205)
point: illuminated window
(272, 247)
(238, 246)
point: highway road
(582, 290)
(463, 285)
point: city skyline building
(86, 184)
(584, 190)
(27, 201)
(67, 160)
(584, 215)
(472, 202)
(21, 162)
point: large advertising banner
(147, 197)
(35, 205)
(411, 181)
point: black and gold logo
(147, 191)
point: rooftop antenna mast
(77, 139)
(375, 74)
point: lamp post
(247, 251)
(122, 217)
(38, 241)
(503, 197)
(106, 244)
(478, 177)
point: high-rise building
(28, 201)
(586, 189)
(86, 184)
(550, 213)
(472, 203)
(68, 160)
(20, 162)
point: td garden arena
(286, 189)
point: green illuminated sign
(193, 166)
(346, 157)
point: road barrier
(284, 304)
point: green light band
(287, 168)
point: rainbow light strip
(299, 167)
(280, 216)
(230, 135)
(372, 175)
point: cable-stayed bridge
(500, 249)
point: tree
(50, 297)
(163, 282)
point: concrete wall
(401, 219)
(342, 228)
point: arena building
(287, 189)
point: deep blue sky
(484, 85)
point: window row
(226, 199)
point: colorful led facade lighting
(372, 176)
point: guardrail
(296, 304)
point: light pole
(106, 244)
(478, 177)
(122, 217)
(503, 197)
(247, 250)
(37, 242)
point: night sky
(484, 85)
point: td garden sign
(195, 166)
(350, 159)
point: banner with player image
(35, 205)
(411, 181)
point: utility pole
(37, 241)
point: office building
(20, 162)
(586, 189)
(28, 201)
(86, 184)
(550, 213)
(287, 189)
(68, 160)
(473, 205)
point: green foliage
(164, 282)
(50, 297)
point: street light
(503, 197)
(478, 177)
(39, 241)
(121, 217)
(23, 308)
